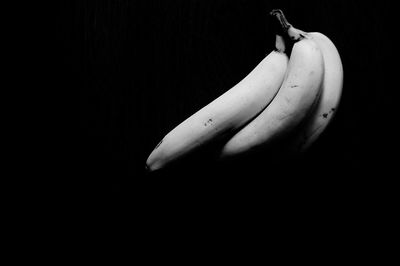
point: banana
(227, 113)
(332, 86)
(295, 99)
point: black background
(141, 67)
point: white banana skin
(225, 114)
(331, 93)
(299, 91)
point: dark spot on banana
(294, 86)
(333, 109)
(325, 115)
(209, 121)
(158, 145)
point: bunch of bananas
(297, 95)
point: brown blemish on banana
(325, 115)
(332, 110)
(158, 145)
(209, 121)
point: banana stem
(279, 35)
(281, 18)
(293, 33)
(279, 44)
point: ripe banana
(227, 113)
(294, 101)
(332, 86)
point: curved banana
(225, 114)
(331, 93)
(293, 102)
